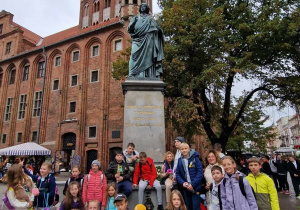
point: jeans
(283, 185)
(192, 200)
(142, 186)
(125, 187)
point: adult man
(218, 148)
(131, 156)
(274, 170)
(265, 166)
(118, 172)
(146, 172)
(282, 175)
(294, 169)
(147, 45)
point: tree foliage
(213, 45)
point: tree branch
(245, 102)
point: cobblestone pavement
(286, 202)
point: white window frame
(53, 85)
(115, 42)
(24, 106)
(92, 50)
(89, 132)
(36, 108)
(56, 57)
(71, 80)
(91, 76)
(73, 52)
(8, 108)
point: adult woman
(167, 173)
(212, 158)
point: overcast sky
(46, 17)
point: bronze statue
(147, 46)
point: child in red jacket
(146, 171)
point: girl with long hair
(111, 193)
(19, 187)
(167, 173)
(73, 199)
(176, 201)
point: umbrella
(29, 148)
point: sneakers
(287, 192)
(160, 207)
(281, 191)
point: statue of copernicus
(147, 45)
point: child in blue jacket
(46, 185)
(189, 174)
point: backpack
(56, 194)
(81, 182)
(242, 188)
(87, 180)
(7, 202)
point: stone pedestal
(144, 118)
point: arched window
(86, 10)
(12, 76)
(107, 3)
(25, 72)
(96, 6)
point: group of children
(229, 190)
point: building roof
(28, 35)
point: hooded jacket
(194, 168)
(95, 190)
(265, 191)
(232, 197)
(148, 172)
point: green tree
(213, 46)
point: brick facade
(46, 116)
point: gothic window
(58, 61)
(19, 137)
(37, 103)
(107, 3)
(95, 50)
(96, 6)
(86, 10)
(8, 109)
(94, 76)
(55, 84)
(8, 47)
(1, 28)
(72, 107)
(22, 106)
(74, 80)
(41, 68)
(75, 56)
(25, 72)
(12, 76)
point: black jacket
(113, 169)
(281, 166)
(266, 168)
(293, 170)
(71, 179)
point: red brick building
(58, 90)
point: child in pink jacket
(94, 185)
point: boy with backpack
(214, 191)
(263, 185)
(145, 172)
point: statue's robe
(147, 47)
